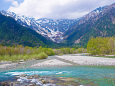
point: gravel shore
(53, 62)
(88, 60)
(65, 60)
(77, 59)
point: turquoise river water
(99, 76)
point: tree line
(19, 52)
(101, 46)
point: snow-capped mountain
(95, 14)
(56, 29)
(49, 28)
(98, 23)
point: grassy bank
(17, 53)
(14, 58)
(96, 46)
(106, 56)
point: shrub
(81, 50)
(42, 55)
(101, 46)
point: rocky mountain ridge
(98, 23)
(49, 28)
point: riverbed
(84, 75)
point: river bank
(75, 75)
(36, 80)
(64, 60)
(77, 69)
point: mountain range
(12, 33)
(98, 23)
(49, 28)
(44, 31)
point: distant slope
(12, 33)
(100, 22)
(49, 28)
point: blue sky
(5, 4)
(57, 9)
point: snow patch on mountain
(49, 28)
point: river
(85, 75)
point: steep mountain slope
(49, 28)
(100, 22)
(13, 33)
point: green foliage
(101, 46)
(14, 58)
(19, 52)
(48, 51)
(42, 55)
(81, 50)
(62, 51)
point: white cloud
(14, 3)
(56, 8)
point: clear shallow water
(101, 76)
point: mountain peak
(49, 28)
(58, 30)
(99, 22)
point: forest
(96, 46)
(101, 46)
